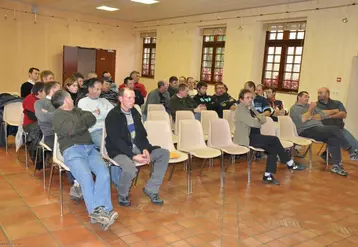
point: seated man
(247, 133)
(99, 107)
(44, 113)
(276, 105)
(137, 85)
(260, 90)
(108, 94)
(158, 96)
(326, 103)
(27, 86)
(106, 76)
(47, 75)
(173, 86)
(127, 143)
(182, 102)
(260, 103)
(79, 78)
(71, 126)
(308, 120)
(129, 83)
(222, 100)
(91, 75)
(191, 84)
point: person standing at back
(26, 87)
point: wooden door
(106, 61)
(70, 61)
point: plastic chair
(268, 129)
(160, 134)
(42, 145)
(220, 138)
(111, 161)
(191, 141)
(11, 116)
(137, 107)
(181, 115)
(161, 116)
(156, 107)
(59, 162)
(206, 117)
(229, 116)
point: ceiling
(136, 12)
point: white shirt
(29, 80)
(91, 105)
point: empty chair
(137, 107)
(229, 116)
(156, 107)
(220, 138)
(191, 141)
(160, 134)
(58, 162)
(11, 116)
(161, 116)
(268, 129)
(181, 115)
(206, 117)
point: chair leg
(222, 170)
(26, 157)
(43, 167)
(171, 173)
(185, 166)
(189, 175)
(50, 179)
(36, 155)
(327, 156)
(310, 151)
(211, 162)
(5, 133)
(61, 191)
(202, 167)
(319, 151)
(249, 160)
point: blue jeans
(82, 161)
(97, 138)
(350, 139)
(197, 115)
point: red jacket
(138, 86)
(29, 109)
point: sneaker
(354, 155)
(297, 167)
(270, 180)
(112, 217)
(76, 192)
(154, 197)
(124, 201)
(339, 170)
(100, 216)
(324, 157)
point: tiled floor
(309, 209)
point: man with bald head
(127, 144)
(326, 103)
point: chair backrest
(182, 115)
(219, 134)
(12, 113)
(206, 117)
(156, 107)
(158, 116)
(268, 128)
(138, 109)
(190, 135)
(286, 127)
(103, 144)
(159, 133)
(229, 116)
(57, 156)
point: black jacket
(118, 140)
(139, 99)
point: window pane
(269, 66)
(153, 50)
(270, 59)
(277, 59)
(299, 50)
(208, 57)
(294, 85)
(271, 50)
(291, 50)
(300, 35)
(154, 40)
(297, 59)
(295, 76)
(275, 75)
(289, 59)
(296, 68)
(293, 35)
(207, 64)
(287, 84)
(276, 67)
(278, 50)
(153, 62)
(268, 74)
(287, 76)
(280, 35)
(289, 67)
(272, 35)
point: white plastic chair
(206, 117)
(159, 134)
(191, 141)
(59, 162)
(220, 138)
(137, 107)
(11, 116)
(229, 116)
(268, 129)
(112, 161)
(182, 115)
(161, 116)
(156, 107)
(42, 145)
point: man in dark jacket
(139, 99)
(222, 100)
(127, 144)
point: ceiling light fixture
(106, 8)
(145, 1)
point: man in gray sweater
(158, 96)
(71, 127)
(44, 113)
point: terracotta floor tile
(195, 241)
(130, 239)
(263, 238)
(24, 229)
(170, 238)
(156, 242)
(48, 210)
(94, 243)
(42, 199)
(16, 215)
(144, 235)
(73, 235)
(41, 240)
(277, 243)
(57, 222)
(139, 244)
(118, 243)
(251, 242)
(181, 243)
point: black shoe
(270, 180)
(338, 169)
(154, 197)
(124, 201)
(297, 167)
(324, 157)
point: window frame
(212, 44)
(284, 44)
(152, 45)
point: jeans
(96, 136)
(159, 158)
(273, 147)
(82, 161)
(333, 136)
(350, 139)
(197, 115)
